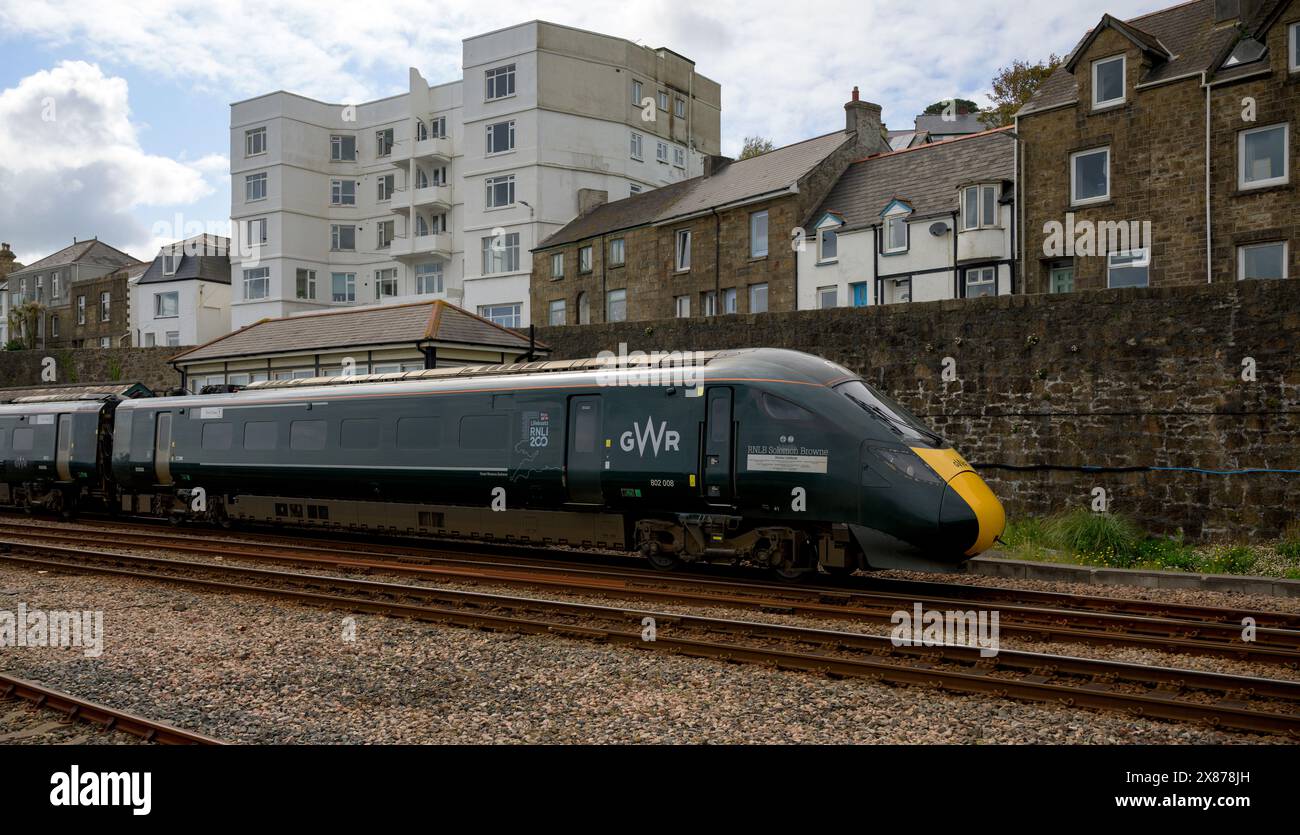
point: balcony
(421, 246)
(425, 150)
(435, 198)
(981, 244)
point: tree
(26, 314)
(755, 145)
(1013, 86)
(960, 107)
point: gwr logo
(638, 438)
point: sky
(114, 115)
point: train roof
(753, 364)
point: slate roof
(1187, 32)
(965, 123)
(397, 324)
(926, 177)
(200, 267)
(743, 179)
(92, 251)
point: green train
(765, 456)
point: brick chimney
(863, 117)
(713, 163)
(590, 198)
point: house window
(173, 338)
(500, 82)
(616, 306)
(384, 142)
(683, 307)
(663, 100)
(501, 255)
(256, 231)
(661, 152)
(632, 189)
(679, 157)
(827, 297)
(555, 312)
(257, 283)
(616, 254)
(343, 193)
(428, 278)
(828, 245)
(709, 303)
(979, 207)
(255, 187)
(385, 184)
(305, 283)
(385, 283)
(758, 298)
(166, 305)
(81, 310)
(505, 315)
(1295, 47)
(343, 287)
(170, 261)
(981, 281)
(500, 137)
(729, 300)
(758, 235)
(683, 250)
(421, 130)
(254, 142)
(438, 127)
(106, 342)
(1090, 176)
(584, 309)
(1263, 153)
(636, 145)
(636, 93)
(500, 191)
(343, 148)
(105, 306)
(149, 340)
(1108, 82)
(343, 238)
(680, 108)
(896, 232)
(384, 233)
(557, 265)
(1262, 260)
(54, 327)
(861, 294)
(1129, 269)
(584, 259)
(1061, 279)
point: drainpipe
(956, 274)
(1209, 212)
(1019, 211)
(430, 352)
(717, 263)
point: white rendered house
(440, 192)
(183, 298)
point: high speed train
(763, 456)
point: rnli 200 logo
(640, 438)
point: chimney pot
(855, 92)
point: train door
(162, 455)
(718, 432)
(583, 459)
(63, 448)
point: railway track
(1229, 701)
(1171, 631)
(69, 709)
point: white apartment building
(441, 192)
(927, 223)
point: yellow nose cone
(988, 510)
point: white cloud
(71, 163)
(785, 69)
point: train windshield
(882, 406)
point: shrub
(1289, 547)
(1171, 554)
(1237, 559)
(1106, 538)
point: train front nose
(970, 517)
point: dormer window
(979, 207)
(896, 236)
(1108, 82)
(828, 239)
(169, 262)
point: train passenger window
(419, 433)
(781, 409)
(4, 438)
(307, 434)
(218, 435)
(484, 432)
(259, 435)
(359, 434)
(24, 439)
(142, 440)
